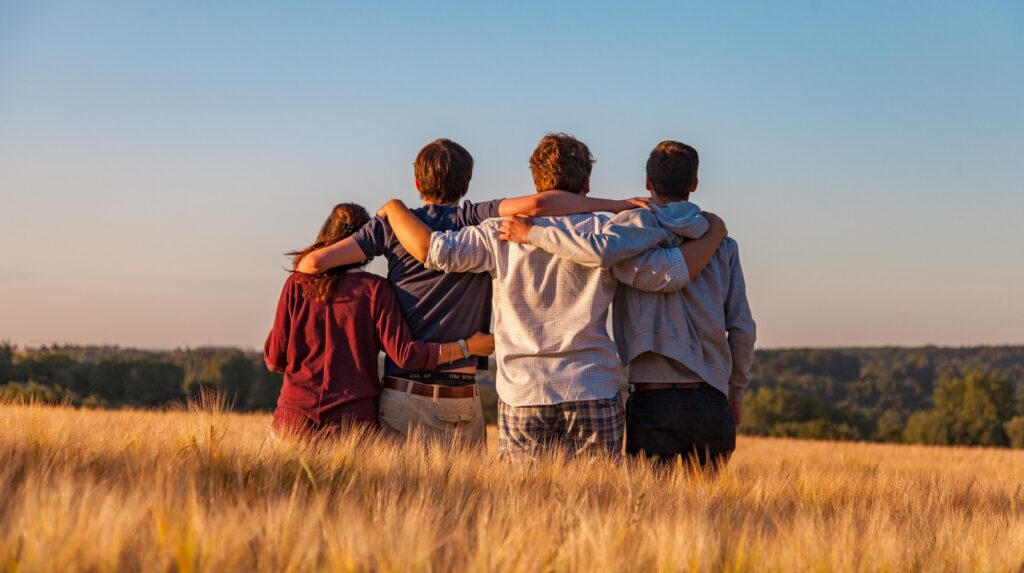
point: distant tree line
(930, 395)
(116, 377)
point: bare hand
(716, 224)
(481, 344)
(515, 229)
(737, 412)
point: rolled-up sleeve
(619, 239)
(658, 270)
(468, 250)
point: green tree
(1015, 431)
(153, 383)
(136, 382)
(6, 361)
(889, 427)
(265, 390)
(978, 405)
(33, 391)
(108, 380)
(766, 408)
(237, 377)
(970, 410)
(927, 427)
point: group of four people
(550, 268)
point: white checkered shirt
(551, 314)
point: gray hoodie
(706, 326)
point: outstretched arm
(413, 233)
(552, 203)
(617, 244)
(465, 251)
(668, 270)
(344, 252)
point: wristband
(464, 347)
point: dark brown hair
(672, 169)
(344, 220)
(561, 162)
(443, 169)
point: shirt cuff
(536, 236)
(434, 358)
(678, 272)
(437, 251)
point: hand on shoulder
(516, 229)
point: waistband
(453, 379)
(434, 391)
(644, 386)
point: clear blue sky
(157, 157)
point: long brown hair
(344, 220)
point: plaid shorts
(590, 426)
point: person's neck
(428, 202)
(666, 201)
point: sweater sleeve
(468, 250)
(620, 238)
(275, 349)
(394, 338)
(740, 326)
(657, 270)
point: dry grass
(203, 490)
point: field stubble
(204, 490)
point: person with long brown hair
(328, 331)
(442, 402)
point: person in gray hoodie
(689, 352)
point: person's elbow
(419, 252)
(311, 264)
(409, 360)
(273, 364)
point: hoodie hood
(682, 218)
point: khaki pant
(441, 418)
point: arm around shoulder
(345, 252)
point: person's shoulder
(638, 217)
(468, 204)
(360, 281)
(586, 222)
(295, 278)
(729, 247)
(367, 278)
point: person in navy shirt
(443, 401)
(328, 331)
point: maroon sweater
(328, 351)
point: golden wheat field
(203, 490)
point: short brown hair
(672, 169)
(443, 169)
(561, 162)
